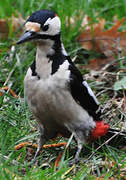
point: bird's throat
(43, 64)
(49, 56)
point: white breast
(51, 102)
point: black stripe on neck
(58, 57)
(33, 68)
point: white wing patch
(90, 91)
(63, 50)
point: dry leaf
(16, 22)
(109, 42)
(97, 64)
(4, 28)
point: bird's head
(41, 25)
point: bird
(56, 92)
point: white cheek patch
(54, 26)
(32, 26)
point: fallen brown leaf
(4, 28)
(98, 63)
(109, 43)
(16, 23)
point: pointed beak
(27, 36)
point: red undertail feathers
(100, 130)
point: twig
(58, 159)
(25, 144)
(12, 53)
(10, 90)
(112, 62)
(10, 74)
(109, 102)
(11, 161)
(117, 133)
(97, 38)
(67, 172)
(103, 91)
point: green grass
(16, 121)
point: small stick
(10, 90)
(58, 159)
(97, 38)
(7, 158)
(117, 133)
(10, 74)
(67, 172)
(23, 144)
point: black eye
(45, 28)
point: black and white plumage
(60, 99)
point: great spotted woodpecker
(56, 92)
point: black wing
(82, 93)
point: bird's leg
(79, 148)
(76, 158)
(79, 138)
(41, 140)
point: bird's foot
(36, 155)
(73, 161)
